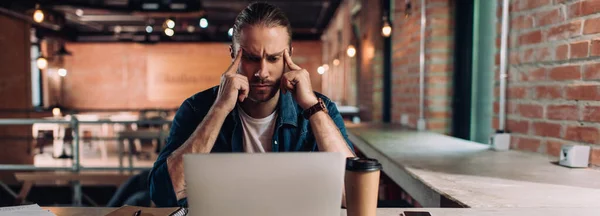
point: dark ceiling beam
(29, 19)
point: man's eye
(273, 59)
(251, 58)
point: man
(259, 106)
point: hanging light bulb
(79, 12)
(203, 23)
(41, 62)
(149, 29)
(191, 28)
(321, 70)
(62, 72)
(387, 29)
(169, 32)
(38, 15)
(56, 111)
(326, 67)
(230, 32)
(170, 23)
(351, 51)
(336, 62)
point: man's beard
(271, 92)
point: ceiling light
(336, 62)
(191, 28)
(169, 32)
(387, 29)
(41, 62)
(203, 23)
(149, 29)
(321, 70)
(62, 72)
(351, 51)
(79, 12)
(170, 23)
(38, 15)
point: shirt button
(275, 142)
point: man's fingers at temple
(236, 63)
(289, 61)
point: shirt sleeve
(339, 122)
(160, 185)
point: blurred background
(92, 85)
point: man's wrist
(220, 111)
(310, 104)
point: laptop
(265, 184)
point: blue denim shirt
(292, 134)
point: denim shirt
(292, 133)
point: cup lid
(362, 164)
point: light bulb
(191, 28)
(62, 72)
(321, 70)
(42, 63)
(230, 32)
(169, 32)
(79, 12)
(203, 23)
(351, 51)
(149, 29)
(326, 67)
(386, 30)
(336, 62)
(170, 23)
(56, 111)
(38, 16)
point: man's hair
(261, 13)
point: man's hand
(297, 80)
(233, 87)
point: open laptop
(265, 184)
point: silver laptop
(265, 184)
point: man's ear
(231, 53)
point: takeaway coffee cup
(362, 186)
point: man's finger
(236, 62)
(289, 61)
(243, 91)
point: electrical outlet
(404, 119)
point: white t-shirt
(258, 133)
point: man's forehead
(259, 53)
(258, 40)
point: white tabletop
(430, 166)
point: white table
(432, 167)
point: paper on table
(33, 209)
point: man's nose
(263, 72)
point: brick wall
(344, 83)
(554, 78)
(135, 76)
(439, 64)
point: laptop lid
(264, 184)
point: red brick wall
(553, 80)
(438, 58)
(362, 88)
(135, 76)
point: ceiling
(127, 20)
